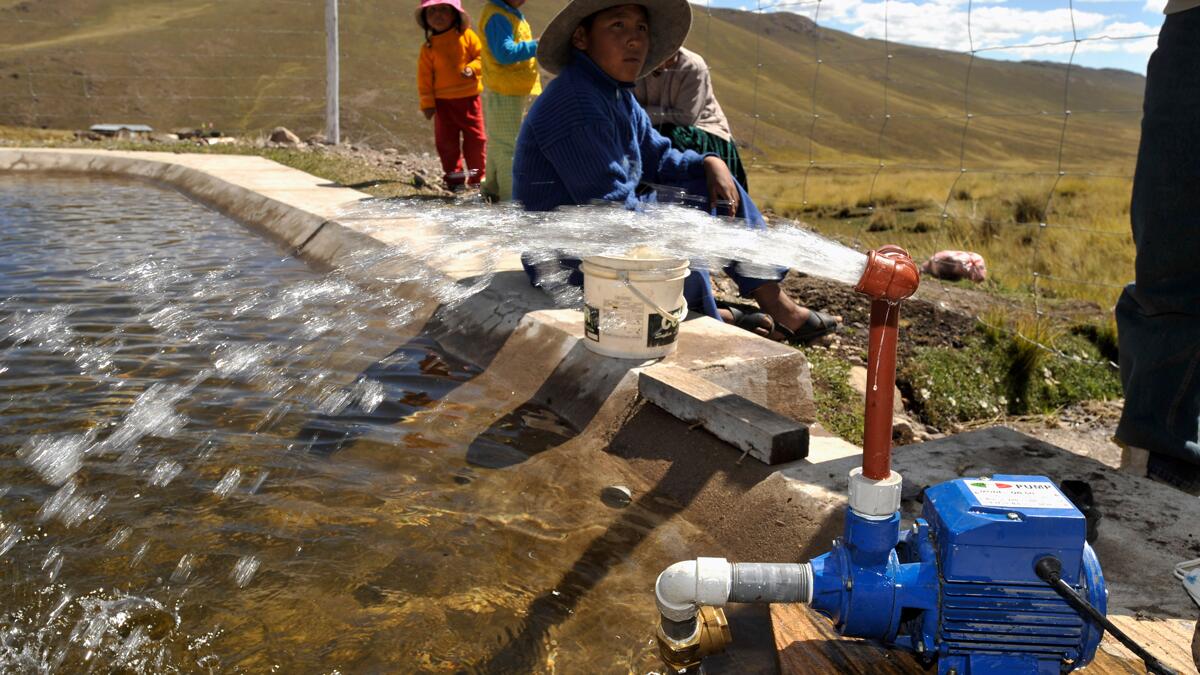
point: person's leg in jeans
(1158, 316)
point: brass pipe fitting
(711, 636)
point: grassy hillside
(255, 64)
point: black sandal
(759, 323)
(817, 326)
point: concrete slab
(761, 433)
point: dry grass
(1065, 238)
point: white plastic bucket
(633, 305)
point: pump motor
(961, 584)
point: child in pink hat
(449, 84)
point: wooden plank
(808, 644)
(765, 434)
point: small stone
(418, 181)
(903, 431)
(284, 135)
(390, 151)
(616, 496)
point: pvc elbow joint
(684, 587)
(890, 274)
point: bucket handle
(669, 318)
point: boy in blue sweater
(587, 138)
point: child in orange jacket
(448, 81)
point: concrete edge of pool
(534, 353)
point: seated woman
(678, 96)
(586, 138)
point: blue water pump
(996, 576)
(961, 584)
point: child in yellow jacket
(448, 80)
(510, 82)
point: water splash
(70, 509)
(710, 243)
(228, 483)
(183, 570)
(164, 472)
(244, 570)
(12, 535)
(57, 458)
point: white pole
(333, 130)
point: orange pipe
(890, 276)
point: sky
(999, 29)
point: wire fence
(871, 141)
(1051, 217)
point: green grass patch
(838, 406)
(997, 373)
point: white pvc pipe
(683, 588)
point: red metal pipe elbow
(891, 274)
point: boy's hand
(468, 72)
(721, 187)
(428, 112)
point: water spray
(996, 576)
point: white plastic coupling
(875, 499)
(684, 587)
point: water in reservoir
(214, 458)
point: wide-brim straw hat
(454, 4)
(670, 22)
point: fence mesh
(868, 140)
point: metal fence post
(333, 130)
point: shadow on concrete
(640, 438)
(541, 422)
(423, 370)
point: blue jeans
(1158, 316)
(697, 287)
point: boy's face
(439, 17)
(618, 41)
(515, 4)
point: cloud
(992, 27)
(1155, 6)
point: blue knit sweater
(587, 138)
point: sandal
(759, 323)
(818, 325)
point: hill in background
(256, 64)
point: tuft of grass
(999, 372)
(1028, 208)
(1103, 335)
(838, 405)
(883, 219)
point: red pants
(455, 116)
